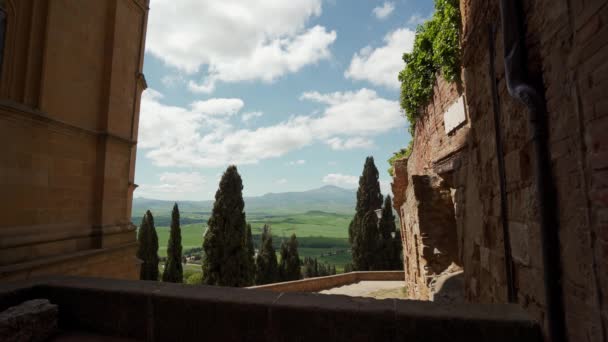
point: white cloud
(349, 144)
(172, 80)
(360, 113)
(195, 137)
(218, 106)
(381, 66)
(417, 19)
(251, 115)
(281, 181)
(342, 180)
(385, 188)
(297, 162)
(382, 12)
(237, 40)
(174, 186)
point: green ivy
(402, 153)
(436, 49)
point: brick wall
(425, 188)
(567, 56)
(567, 43)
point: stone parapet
(154, 311)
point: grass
(319, 234)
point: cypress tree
(309, 271)
(225, 260)
(390, 256)
(250, 263)
(289, 268)
(266, 263)
(363, 230)
(284, 256)
(398, 252)
(147, 251)
(173, 271)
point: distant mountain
(329, 198)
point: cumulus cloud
(218, 106)
(173, 185)
(349, 144)
(381, 66)
(196, 136)
(417, 19)
(385, 188)
(359, 113)
(338, 179)
(251, 115)
(382, 12)
(297, 162)
(237, 40)
(172, 80)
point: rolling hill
(329, 198)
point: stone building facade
(567, 56)
(70, 85)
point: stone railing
(323, 283)
(155, 311)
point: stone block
(33, 320)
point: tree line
(229, 257)
(375, 242)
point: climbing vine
(404, 152)
(436, 49)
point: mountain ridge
(328, 198)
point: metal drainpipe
(522, 89)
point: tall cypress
(289, 268)
(225, 254)
(292, 268)
(250, 264)
(266, 263)
(147, 251)
(389, 239)
(173, 271)
(363, 230)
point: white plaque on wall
(454, 116)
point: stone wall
(69, 104)
(155, 311)
(426, 186)
(567, 45)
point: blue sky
(296, 93)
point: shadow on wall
(449, 289)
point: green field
(319, 234)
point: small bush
(195, 279)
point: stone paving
(368, 288)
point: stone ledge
(10, 108)
(323, 283)
(157, 311)
(60, 259)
